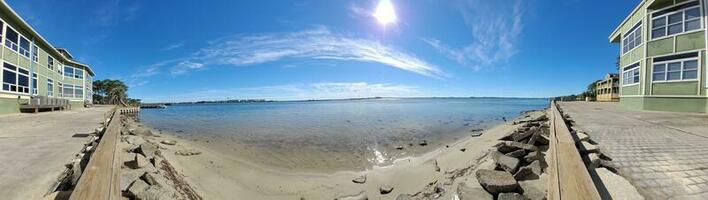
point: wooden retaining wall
(568, 176)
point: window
(2, 26)
(15, 79)
(50, 87)
(676, 70)
(68, 91)
(632, 39)
(78, 73)
(34, 84)
(79, 91)
(68, 71)
(24, 47)
(50, 63)
(61, 89)
(683, 18)
(11, 38)
(630, 75)
(34, 53)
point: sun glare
(385, 13)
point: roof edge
(611, 38)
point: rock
(149, 179)
(594, 160)
(57, 195)
(139, 161)
(142, 132)
(507, 163)
(535, 189)
(496, 181)
(508, 137)
(385, 189)
(517, 154)
(137, 188)
(399, 147)
(187, 152)
(509, 146)
(582, 136)
(511, 196)
(134, 140)
(149, 150)
(523, 135)
(542, 139)
(168, 142)
(586, 147)
(472, 191)
(404, 197)
(423, 143)
(534, 155)
(129, 176)
(463, 149)
(361, 179)
(359, 196)
(76, 170)
(531, 171)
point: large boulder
(586, 147)
(509, 146)
(137, 188)
(134, 140)
(534, 155)
(507, 163)
(517, 154)
(472, 191)
(496, 181)
(129, 176)
(531, 171)
(511, 196)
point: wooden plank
(569, 177)
(101, 178)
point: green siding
(630, 90)
(675, 104)
(675, 88)
(8, 106)
(632, 102)
(691, 41)
(632, 56)
(76, 104)
(660, 47)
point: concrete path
(35, 147)
(664, 155)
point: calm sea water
(369, 129)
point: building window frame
(50, 87)
(683, 22)
(35, 53)
(664, 65)
(16, 86)
(633, 39)
(50, 62)
(34, 84)
(22, 50)
(13, 45)
(69, 74)
(631, 75)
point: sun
(385, 13)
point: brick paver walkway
(664, 155)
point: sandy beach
(215, 174)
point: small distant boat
(153, 106)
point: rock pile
(517, 157)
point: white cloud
(172, 46)
(314, 44)
(326, 90)
(495, 29)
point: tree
(110, 92)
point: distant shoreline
(234, 101)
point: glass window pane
(659, 22)
(691, 64)
(676, 28)
(658, 32)
(23, 81)
(692, 74)
(676, 18)
(693, 25)
(660, 68)
(11, 35)
(693, 13)
(636, 79)
(675, 66)
(674, 76)
(659, 76)
(9, 77)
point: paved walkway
(35, 148)
(664, 155)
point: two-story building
(607, 89)
(31, 66)
(662, 56)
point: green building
(663, 48)
(32, 67)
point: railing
(568, 176)
(101, 178)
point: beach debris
(463, 149)
(531, 171)
(496, 181)
(361, 179)
(511, 196)
(404, 197)
(506, 163)
(517, 154)
(472, 191)
(399, 147)
(509, 146)
(423, 143)
(187, 152)
(385, 189)
(436, 166)
(168, 142)
(359, 196)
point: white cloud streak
(495, 28)
(314, 44)
(325, 90)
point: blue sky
(308, 49)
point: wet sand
(219, 173)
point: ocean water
(346, 134)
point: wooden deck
(568, 176)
